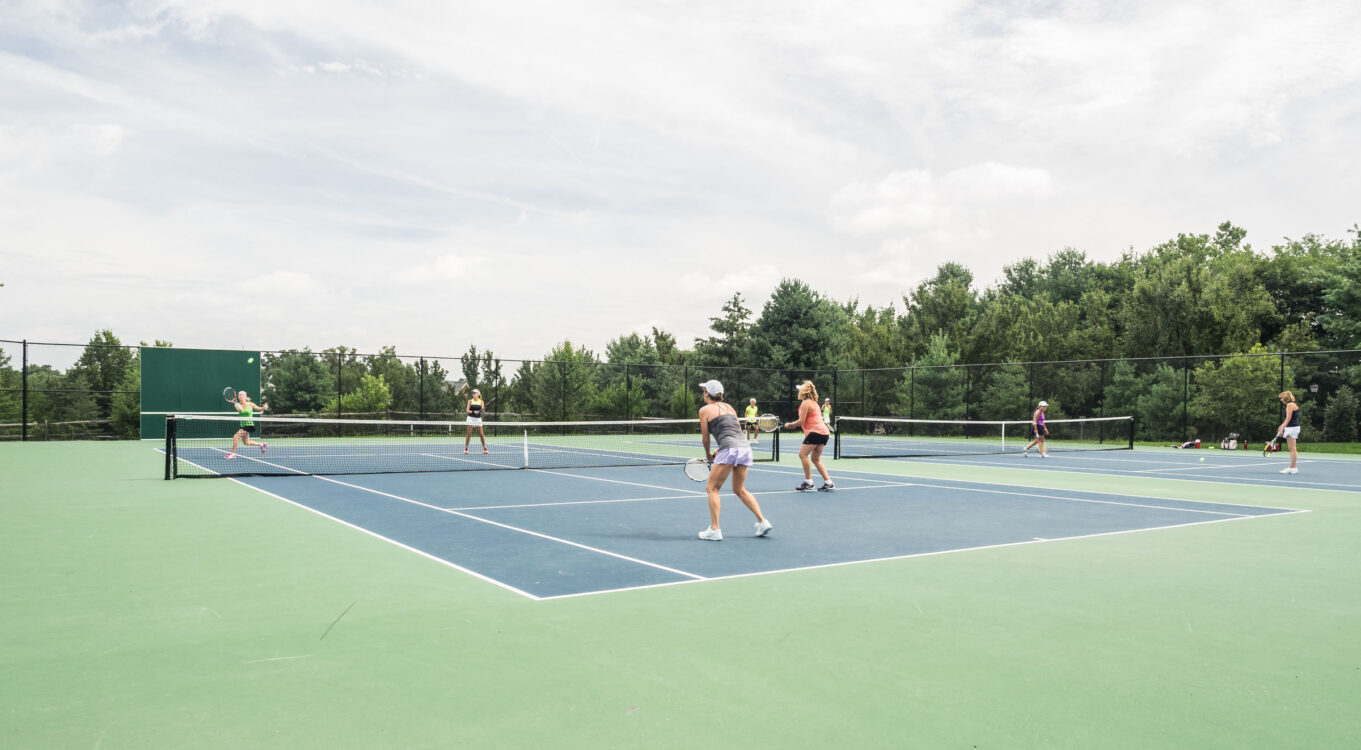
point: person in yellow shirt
(827, 411)
(752, 413)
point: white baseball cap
(1044, 403)
(713, 387)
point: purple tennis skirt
(740, 456)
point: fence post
(1185, 400)
(628, 392)
(421, 388)
(835, 400)
(968, 390)
(912, 393)
(23, 415)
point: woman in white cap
(719, 420)
(815, 434)
(1038, 431)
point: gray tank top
(726, 430)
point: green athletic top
(246, 412)
(751, 412)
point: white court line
(760, 494)
(1057, 468)
(1212, 467)
(1064, 489)
(561, 473)
(904, 557)
(392, 541)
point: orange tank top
(813, 422)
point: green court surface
(140, 613)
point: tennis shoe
(230, 456)
(804, 486)
(465, 451)
(1288, 470)
(263, 446)
(828, 487)
(484, 452)
(711, 535)
(763, 527)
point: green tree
(402, 379)
(296, 382)
(11, 383)
(798, 330)
(371, 397)
(1342, 293)
(103, 367)
(728, 347)
(1339, 420)
(934, 387)
(519, 395)
(563, 386)
(1238, 394)
(944, 304)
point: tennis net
(198, 446)
(890, 437)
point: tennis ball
(250, 360)
(1202, 458)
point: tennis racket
(767, 423)
(229, 394)
(697, 469)
(1270, 448)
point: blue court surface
(557, 533)
(1197, 465)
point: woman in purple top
(1038, 431)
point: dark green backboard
(191, 380)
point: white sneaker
(230, 456)
(263, 446)
(1044, 455)
(1288, 470)
(762, 528)
(711, 535)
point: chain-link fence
(92, 391)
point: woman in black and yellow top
(473, 408)
(246, 409)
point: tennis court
(990, 601)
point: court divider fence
(58, 391)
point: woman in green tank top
(246, 408)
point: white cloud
(608, 163)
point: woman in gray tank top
(718, 423)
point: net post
(170, 462)
(525, 446)
(836, 439)
(1131, 433)
(1004, 436)
(776, 445)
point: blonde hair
(808, 390)
(1288, 396)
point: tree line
(1162, 309)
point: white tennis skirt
(1291, 432)
(474, 421)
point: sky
(434, 174)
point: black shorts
(1044, 432)
(815, 438)
(249, 428)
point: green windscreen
(192, 380)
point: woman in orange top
(815, 434)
